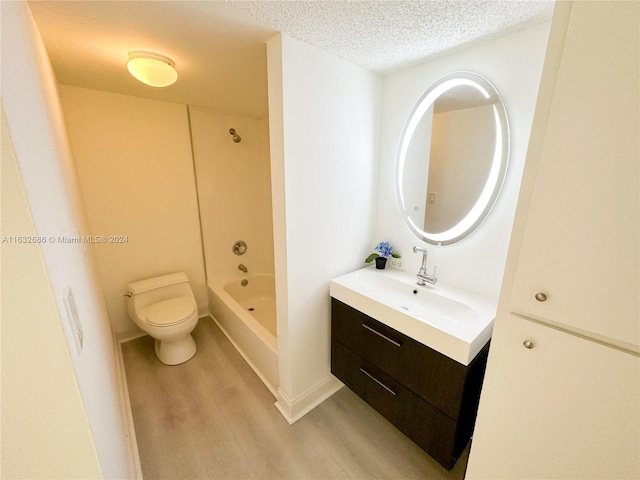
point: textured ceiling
(219, 46)
(387, 35)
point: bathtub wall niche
(234, 191)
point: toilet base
(175, 352)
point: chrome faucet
(423, 276)
(243, 268)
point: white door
(581, 246)
(566, 407)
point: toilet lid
(169, 312)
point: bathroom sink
(454, 322)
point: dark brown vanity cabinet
(431, 398)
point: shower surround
(231, 159)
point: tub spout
(243, 268)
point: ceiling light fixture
(152, 68)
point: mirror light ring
(487, 199)
(419, 111)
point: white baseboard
(130, 333)
(135, 468)
(203, 310)
(294, 409)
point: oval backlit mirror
(452, 158)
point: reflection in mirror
(452, 158)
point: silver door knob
(541, 297)
(528, 344)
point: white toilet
(165, 308)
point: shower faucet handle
(240, 247)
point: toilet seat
(170, 312)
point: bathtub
(247, 316)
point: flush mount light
(152, 68)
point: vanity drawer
(429, 428)
(370, 383)
(434, 377)
(449, 386)
(379, 344)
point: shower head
(236, 137)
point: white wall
(234, 188)
(513, 64)
(36, 126)
(324, 125)
(135, 168)
(36, 363)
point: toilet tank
(157, 289)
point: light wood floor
(212, 418)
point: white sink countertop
(453, 322)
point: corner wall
(324, 124)
(513, 64)
(135, 168)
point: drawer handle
(378, 382)
(381, 335)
